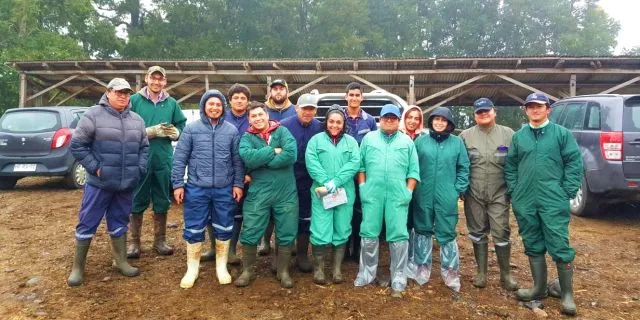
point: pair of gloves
(163, 130)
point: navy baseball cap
(279, 82)
(483, 104)
(390, 109)
(535, 97)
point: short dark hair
(239, 88)
(255, 105)
(354, 86)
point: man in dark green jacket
(543, 171)
(164, 121)
(269, 152)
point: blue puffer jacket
(211, 152)
(114, 142)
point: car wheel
(7, 183)
(585, 203)
(76, 178)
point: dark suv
(35, 142)
(607, 128)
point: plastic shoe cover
(450, 265)
(412, 267)
(368, 261)
(399, 256)
(422, 259)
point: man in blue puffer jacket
(111, 143)
(215, 181)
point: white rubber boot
(222, 255)
(193, 265)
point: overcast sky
(626, 12)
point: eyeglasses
(121, 93)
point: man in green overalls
(164, 121)
(543, 171)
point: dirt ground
(38, 217)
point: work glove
(170, 131)
(155, 131)
(330, 185)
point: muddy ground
(38, 217)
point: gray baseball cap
(119, 84)
(307, 100)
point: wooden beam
(307, 85)
(459, 94)
(109, 65)
(78, 66)
(23, 90)
(206, 82)
(474, 64)
(212, 66)
(177, 64)
(518, 63)
(459, 85)
(355, 66)
(190, 94)
(318, 66)
(622, 85)
(435, 63)
(412, 92)
(53, 96)
(512, 96)
(276, 66)
(181, 82)
(563, 94)
(143, 66)
(73, 95)
(52, 87)
(559, 64)
(395, 65)
(138, 82)
(96, 80)
(572, 85)
(46, 66)
(246, 66)
(367, 82)
(528, 87)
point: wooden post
(572, 85)
(412, 94)
(266, 96)
(206, 83)
(23, 90)
(138, 82)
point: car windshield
(29, 121)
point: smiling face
(239, 103)
(537, 112)
(485, 118)
(335, 124)
(439, 123)
(306, 114)
(258, 119)
(155, 82)
(354, 98)
(213, 108)
(278, 93)
(389, 123)
(412, 120)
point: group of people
(252, 167)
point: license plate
(24, 167)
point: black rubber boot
(160, 235)
(319, 255)
(481, 253)
(284, 256)
(264, 248)
(539, 272)
(119, 246)
(210, 255)
(565, 276)
(77, 271)
(338, 255)
(504, 256)
(135, 228)
(248, 266)
(233, 257)
(302, 259)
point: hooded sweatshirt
(286, 110)
(210, 152)
(418, 131)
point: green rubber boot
(539, 272)
(284, 256)
(565, 276)
(504, 256)
(248, 266)
(135, 228)
(302, 259)
(481, 253)
(338, 255)
(119, 246)
(210, 255)
(319, 254)
(77, 271)
(234, 259)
